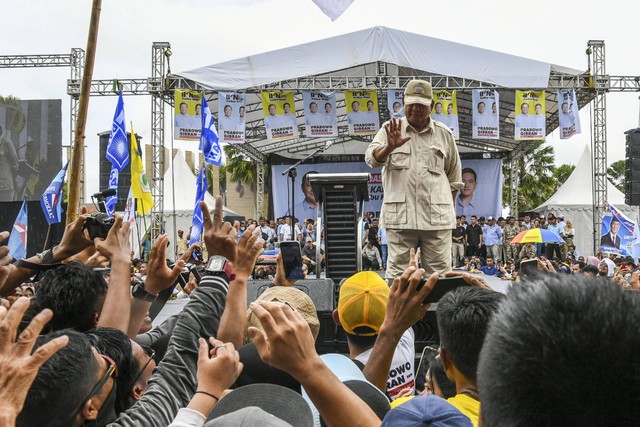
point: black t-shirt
(458, 232)
(473, 234)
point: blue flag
(118, 147)
(209, 143)
(198, 223)
(50, 201)
(18, 237)
(117, 152)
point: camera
(197, 255)
(98, 225)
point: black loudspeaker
(632, 168)
(426, 331)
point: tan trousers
(435, 248)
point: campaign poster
(568, 117)
(320, 114)
(486, 114)
(362, 112)
(619, 234)
(445, 110)
(395, 103)
(187, 118)
(30, 147)
(279, 111)
(530, 115)
(305, 206)
(231, 117)
(482, 191)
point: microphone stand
(292, 173)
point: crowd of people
(78, 345)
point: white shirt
(226, 123)
(401, 370)
(539, 121)
(272, 122)
(183, 121)
(566, 119)
(314, 119)
(483, 119)
(524, 121)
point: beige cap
(418, 92)
(294, 298)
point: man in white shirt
(524, 119)
(452, 121)
(372, 115)
(355, 116)
(481, 118)
(289, 118)
(566, 117)
(328, 118)
(438, 114)
(539, 119)
(226, 122)
(313, 117)
(183, 120)
(272, 121)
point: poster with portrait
(568, 113)
(30, 147)
(187, 118)
(320, 114)
(445, 110)
(279, 111)
(486, 114)
(619, 234)
(482, 191)
(530, 122)
(305, 203)
(231, 117)
(362, 112)
(395, 104)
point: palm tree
(534, 175)
(615, 173)
(562, 173)
(240, 168)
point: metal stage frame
(593, 85)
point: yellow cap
(362, 303)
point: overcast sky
(208, 32)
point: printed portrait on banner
(231, 117)
(395, 104)
(320, 114)
(530, 122)
(362, 112)
(279, 111)
(568, 115)
(486, 114)
(445, 110)
(187, 118)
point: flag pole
(83, 107)
(46, 239)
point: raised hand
(159, 275)
(220, 238)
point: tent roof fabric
(405, 49)
(578, 188)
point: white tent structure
(573, 201)
(179, 199)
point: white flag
(333, 8)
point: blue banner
(18, 238)
(198, 223)
(619, 234)
(209, 143)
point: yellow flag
(139, 184)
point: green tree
(534, 172)
(615, 173)
(562, 173)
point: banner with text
(279, 111)
(231, 117)
(187, 119)
(320, 114)
(486, 114)
(305, 203)
(445, 110)
(395, 104)
(362, 112)
(619, 234)
(530, 115)
(568, 114)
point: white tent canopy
(368, 46)
(573, 201)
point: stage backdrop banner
(30, 147)
(486, 114)
(568, 117)
(619, 234)
(231, 117)
(482, 192)
(530, 115)
(320, 114)
(279, 111)
(305, 206)
(445, 110)
(362, 112)
(187, 119)
(395, 104)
